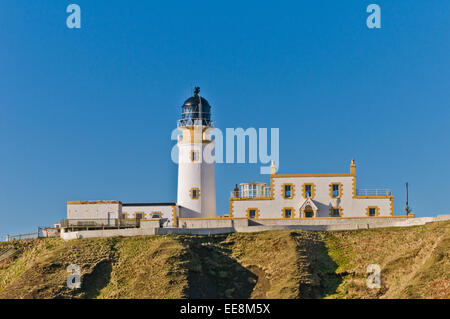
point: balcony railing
(373, 192)
(195, 122)
(251, 194)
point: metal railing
(360, 192)
(251, 194)
(100, 223)
(22, 236)
(195, 122)
(373, 192)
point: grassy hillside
(415, 263)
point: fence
(100, 223)
(22, 236)
(43, 232)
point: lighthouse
(196, 196)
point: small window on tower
(194, 156)
(195, 193)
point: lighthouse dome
(195, 111)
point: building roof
(90, 202)
(149, 204)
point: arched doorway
(309, 212)
(308, 209)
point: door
(110, 219)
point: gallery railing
(373, 192)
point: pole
(407, 200)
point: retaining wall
(225, 226)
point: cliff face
(414, 261)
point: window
(267, 192)
(252, 213)
(194, 193)
(288, 191)
(309, 214)
(252, 191)
(335, 190)
(156, 215)
(124, 216)
(194, 156)
(287, 213)
(139, 215)
(336, 211)
(308, 190)
(372, 211)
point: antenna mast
(407, 200)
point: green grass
(415, 263)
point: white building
(196, 184)
(297, 196)
(288, 196)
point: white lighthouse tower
(196, 196)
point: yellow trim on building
(191, 192)
(174, 216)
(310, 175)
(197, 156)
(377, 211)
(87, 202)
(231, 207)
(354, 186)
(192, 135)
(250, 198)
(313, 190)
(353, 168)
(310, 210)
(256, 212)
(211, 218)
(283, 212)
(340, 189)
(135, 213)
(159, 213)
(391, 201)
(272, 191)
(341, 210)
(309, 218)
(283, 190)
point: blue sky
(87, 114)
